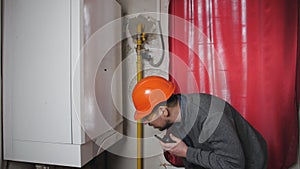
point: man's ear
(164, 110)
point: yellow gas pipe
(139, 63)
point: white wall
(125, 156)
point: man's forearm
(209, 159)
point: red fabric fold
(245, 52)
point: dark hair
(171, 102)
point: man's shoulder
(196, 96)
(202, 99)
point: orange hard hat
(149, 92)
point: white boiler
(62, 102)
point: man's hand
(179, 148)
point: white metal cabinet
(61, 79)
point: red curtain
(244, 51)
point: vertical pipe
(140, 129)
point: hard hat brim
(139, 115)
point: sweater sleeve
(225, 149)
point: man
(208, 132)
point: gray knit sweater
(218, 137)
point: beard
(166, 126)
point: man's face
(157, 120)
